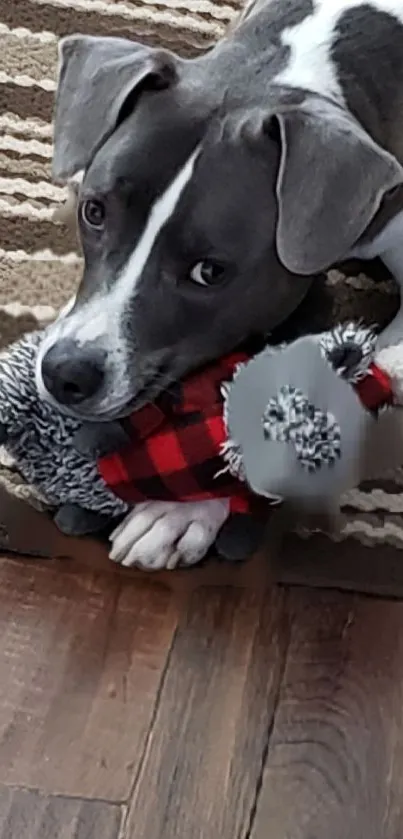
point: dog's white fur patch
(164, 534)
(384, 242)
(160, 214)
(388, 245)
(310, 64)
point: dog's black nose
(72, 374)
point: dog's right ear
(332, 180)
(97, 78)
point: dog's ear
(331, 182)
(97, 79)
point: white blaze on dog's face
(199, 219)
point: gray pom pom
(291, 418)
(349, 348)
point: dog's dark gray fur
(259, 164)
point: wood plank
(347, 565)
(25, 814)
(335, 763)
(81, 660)
(208, 743)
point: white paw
(165, 534)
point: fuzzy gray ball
(42, 443)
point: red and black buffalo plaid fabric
(174, 453)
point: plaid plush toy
(174, 448)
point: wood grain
(238, 711)
(25, 814)
(210, 736)
(334, 766)
(81, 660)
(349, 565)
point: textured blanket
(39, 260)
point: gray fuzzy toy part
(295, 427)
(349, 348)
(45, 446)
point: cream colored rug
(39, 262)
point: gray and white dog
(211, 191)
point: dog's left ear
(99, 80)
(331, 182)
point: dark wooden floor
(203, 705)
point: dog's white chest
(310, 64)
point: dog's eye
(93, 213)
(207, 272)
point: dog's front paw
(164, 534)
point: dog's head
(203, 214)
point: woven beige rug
(39, 263)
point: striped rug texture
(39, 260)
